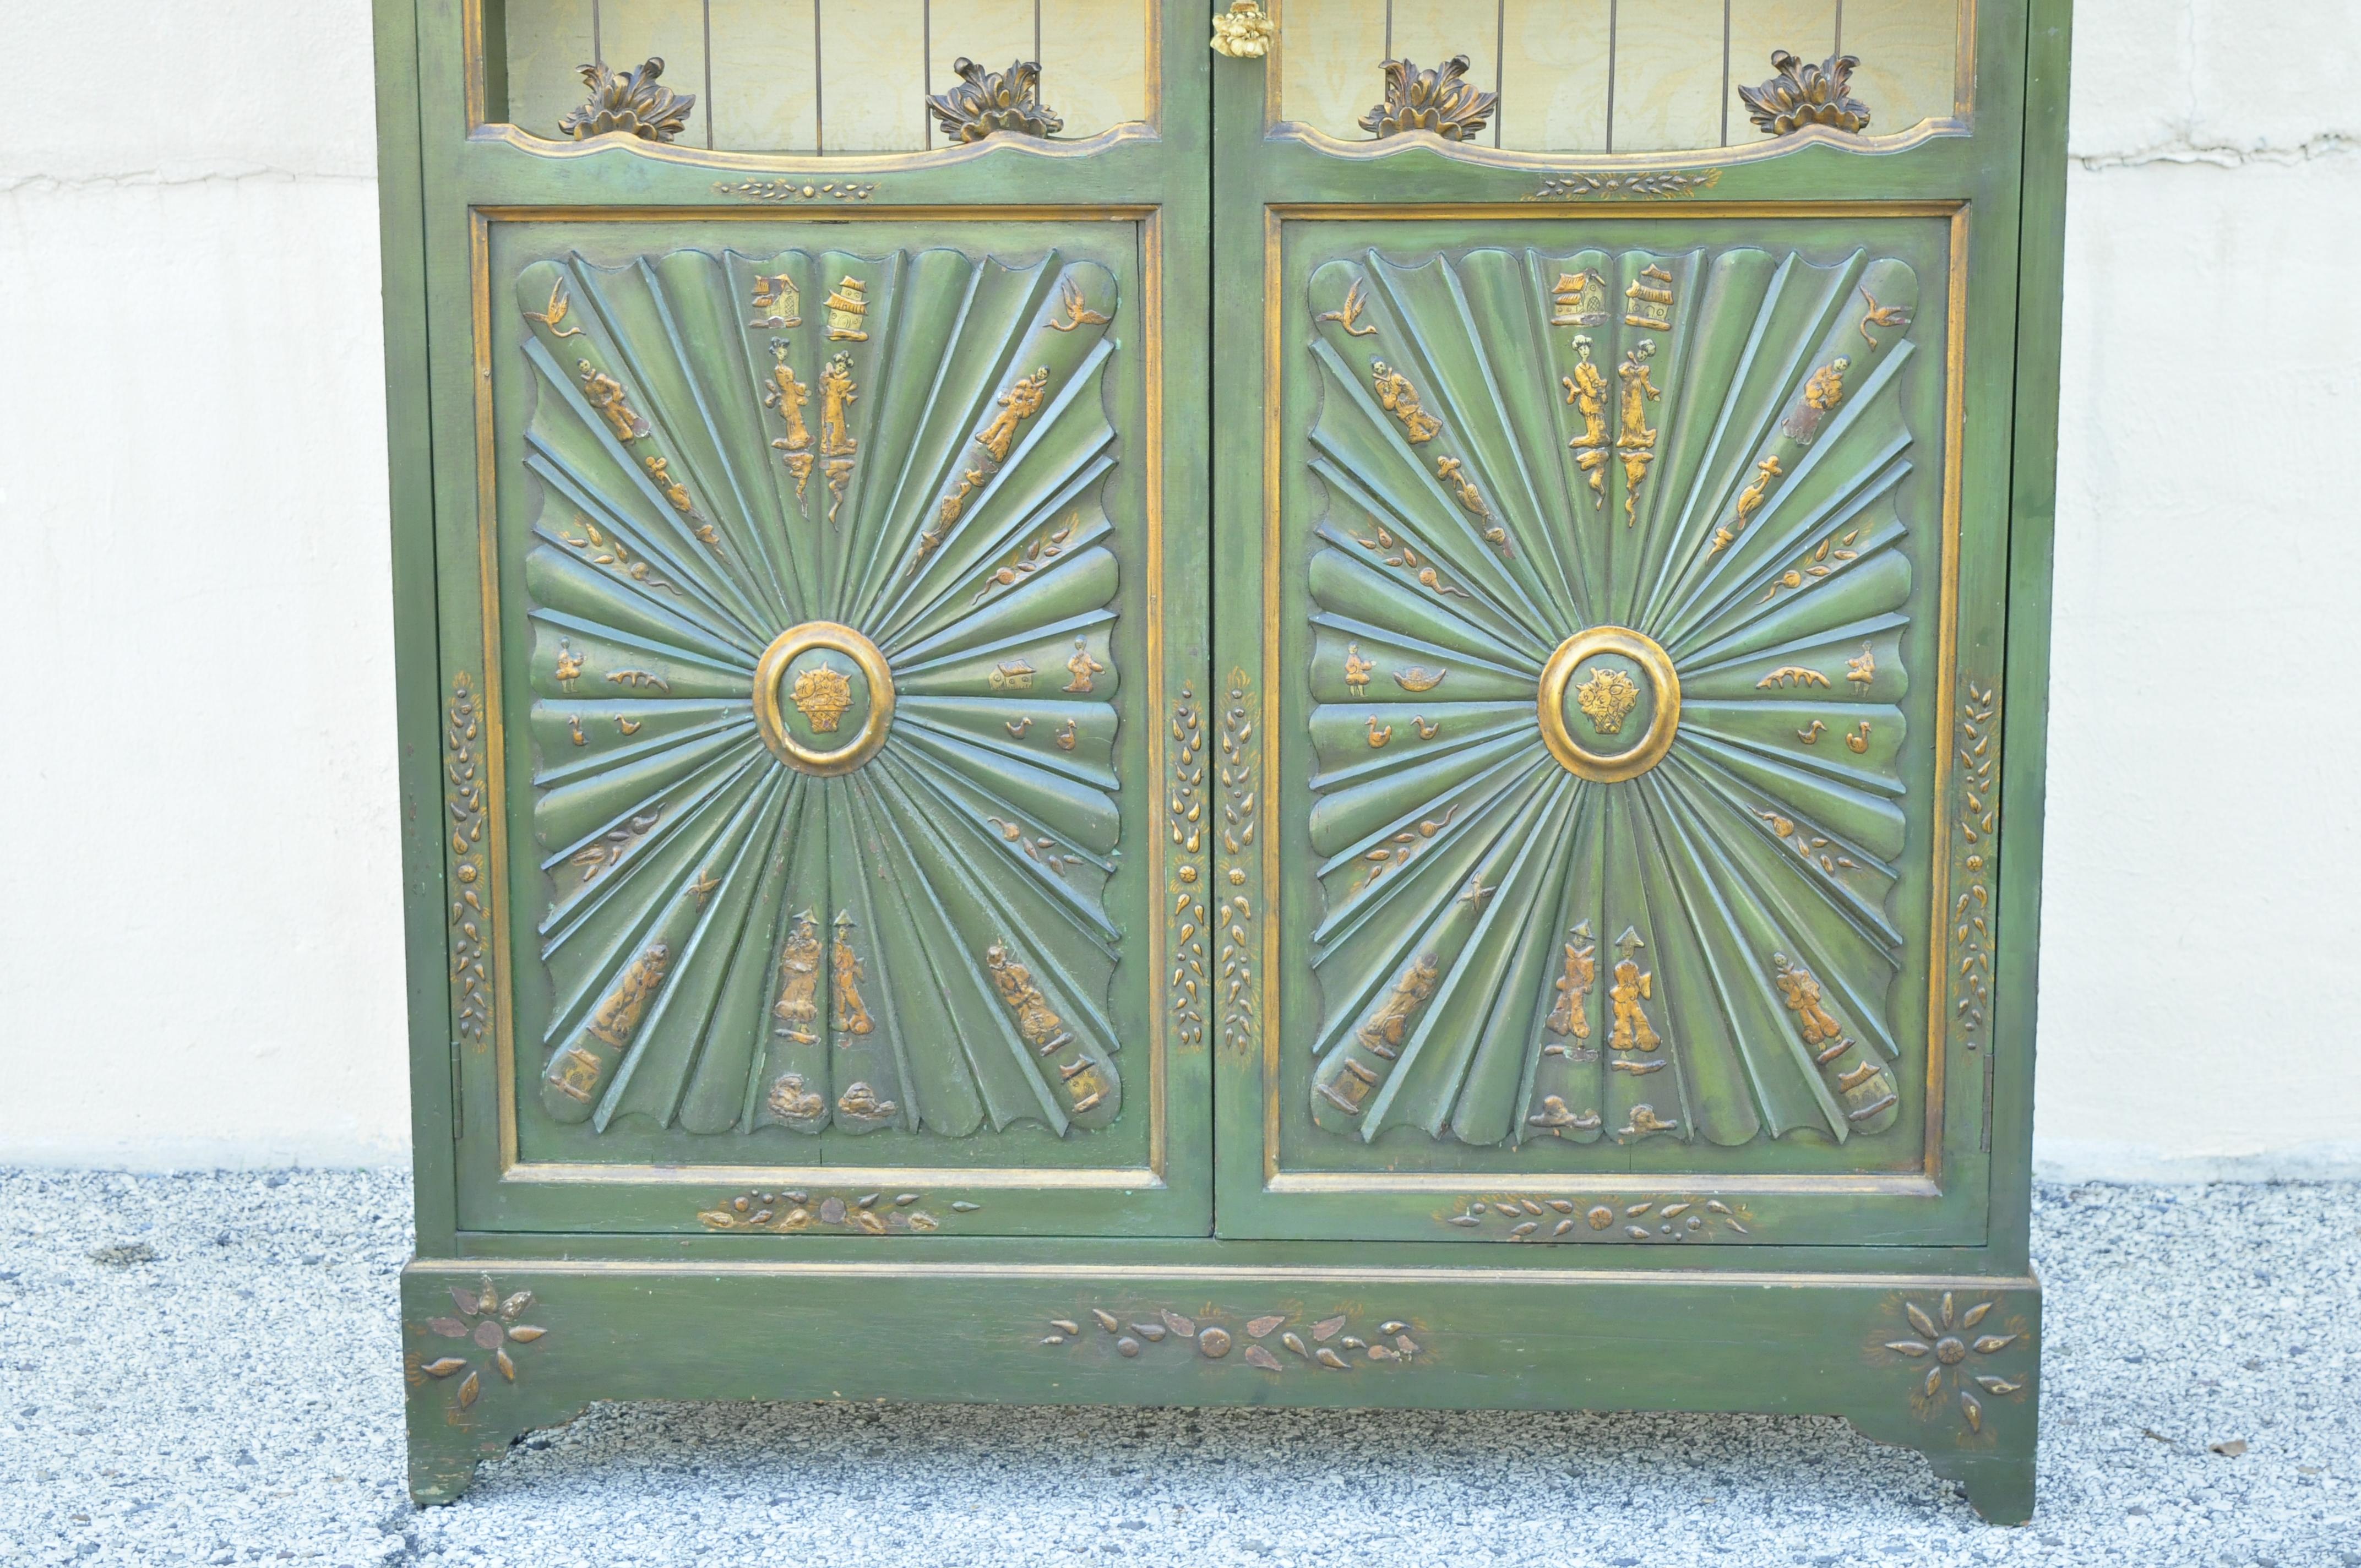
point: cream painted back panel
(1614, 75)
(848, 76)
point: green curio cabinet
(1330, 705)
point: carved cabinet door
(820, 616)
(1612, 552)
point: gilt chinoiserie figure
(925, 830)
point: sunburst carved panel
(821, 588)
(1606, 668)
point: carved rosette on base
(823, 695)
(484, 1339)
(1608, 743)
(1961, 1356)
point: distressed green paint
(860, 1331)
(1341, 489)
(1647, 1271)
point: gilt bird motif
(559, 303)
(1078, 312)
(1348, 315)
(1887, 315)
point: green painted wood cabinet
(1224, 753)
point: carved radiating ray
(1043, 833)
(1378, 893)
(1497, 1102)
(629, 392)
(1387, 474)
(1559, 1037)
(593, 499)
(1015, 962)
(916, 445)
(727, 1087)
(652, 562)
(651, 1078)
(1673, 956)
(1853, 960)
(1346, 818)
(1047, 477)
(1857, 660)
(1375, 1038)
(1382, 573)
(1352, 746)
(1460, 327)
(1755, 348)
(1362, 936)
(1441, 349)
(1432, 1077)
(1073, 583)
(613, 965)
(1753, 958)
(1852, 878)
(1666, 1061)
(593, 828)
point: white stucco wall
(200, 950)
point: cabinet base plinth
(1944, 1364)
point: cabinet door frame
(1273, 181)
(471, 178)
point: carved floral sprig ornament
(989, 100)
(637, 104)
(1806, 94)
(1440, 101)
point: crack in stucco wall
(153, 178)
(2328, 143)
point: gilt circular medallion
(823, 698)
(1609, 704)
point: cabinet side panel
(410, 460)
(2032, 533)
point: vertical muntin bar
(1613, 18)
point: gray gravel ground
(206, 1369)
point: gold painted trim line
(1932, 129)
(1535, 212)
(1111, 212)
(1954, 211)
(1947, 638)
(1266, 892)
(495, 727)
(804, 166)
(1109, 1179)
(1161, 938)
(687, 1269)
(509, 1168)
(1577, 1184)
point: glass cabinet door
(1611, 596)
(822, 605)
